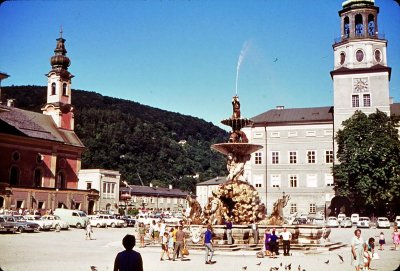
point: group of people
(271, 239)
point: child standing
(164, 246)
(381, 240)
(171, 241)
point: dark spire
(59, 60)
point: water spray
(242, 55)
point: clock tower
(361, 75)
(58, 104)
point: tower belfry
(58, 104)
(361, 75)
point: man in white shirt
(286, 237)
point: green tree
(369, 163)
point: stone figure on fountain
(195, 210)
(276, 217)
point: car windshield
(383, 219)
(82, 214)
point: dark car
(22, 225)
(6, 226)
(299, 221)
(130, 222)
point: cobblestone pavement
(68, 250)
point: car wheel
(39, 228)
(78, 226)
(58, 227)
(98, 225)
(113, 225)
(20, 229)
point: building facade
(299, 147)
(104, 181)
(205, 189)
(40, 153)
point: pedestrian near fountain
(164, 247)
(208, 243)
(228, 225)
(286, 237)
(267, 240)
(273, 244)
(357, 250)
(180, 243)
(254, 228)
(142, 233)
(171, 241)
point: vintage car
(43, 224)
(383, 222)
(95, 221)
(346, 223)
(57, 222)
(363, 222)
(21, 224)
(130, 222)
(111, 221)
(6, 226)
(332, 222)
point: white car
(57, 222)
(346, 223)
(43, 224)
(397, 220)
(111, 221)
(340, 217)
(383, 222)
(363, 222)
(332, 222)
(95, 221)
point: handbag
(185, 251)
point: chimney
(170, 186)
(10, 102)
(280, 107)
(151, 185)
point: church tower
(58, 104)
(361, 75)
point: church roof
(295, 115)
(36, 125)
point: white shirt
(286, 235)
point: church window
(378, 56)
(371, 25)
(53, 89)
(346, 27)
(355, 101)
(65, 89)
(359, 55)
(367, 100)
(60, 180)
(14, 175)
(37, 182)
(359, 25)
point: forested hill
(135, 139)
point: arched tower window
(37, 178)
(53, 89)
(60, 183)
(346, 27)
(359, 25)
(65, 92)
(371, 25)
(14, 175)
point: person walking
(89, 231)
(171, 241)
(267, 240)
(273, 244)
(381, 241)
(357, 250)
(254, 228)
(164, 247)
(129, 259)
(286, 237)
(180, 243)
(208, 243)
(142, 233)
(228, 225)
(396, 237)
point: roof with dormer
(26, 123)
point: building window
(367, 100)
(292, 133)
(293, 208)
(311, 180)
(20, 204)
(311, 133)
(257, 135)
(293, 157)
(152, 200)
(293, 181)
(14, 175)
(161, 200)
(37, 177)
(276, 180)
(258, 185)
(53, 88)
(60, 183)
(311, 157)
(41, 205)
(328, 157)
(65, 89)
(275, 134)
(355, 101)
(88, 186)
(328, 132)
(275, 157)
(257, 158)
(328, 179)
(313, 208)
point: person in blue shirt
(228, 225)
(208, 243)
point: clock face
(359, 55)
(360, 85)
(378, 56)
(342, 58)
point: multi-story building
(204, 189)
(107, 183)
(40, 153)
(299, 145)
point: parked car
(97, 222)
(145, 219)
(363, 222)
(332, 222)
(340, 217)
(299, 221)
(318, 221)
(383, 222)
(57, 222)
(397, 220)
(111, 221)
(354, 218)
(6, 226)
(22, 225)
(346, 223)
(43, 224)
(130, 222)
(74, 218)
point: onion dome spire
(59, 60)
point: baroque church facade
(40, 153)
(299, 147)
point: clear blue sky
(182, 55)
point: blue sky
(182, 55)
